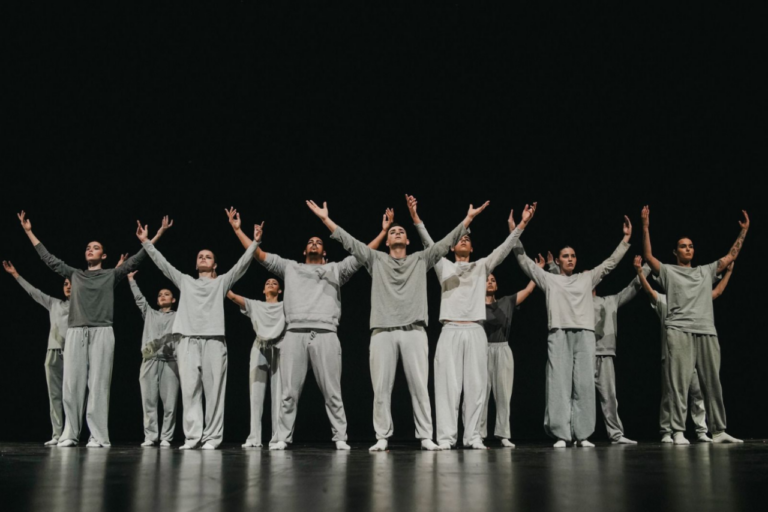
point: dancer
(312, 305)
(606, 329)
(398, 318)
(58, 313)
(268, 319)
(698, 410)
(90, 341)
(159, 375)
(692, 341)
(202, 350)
(570, 411)
(461, 357)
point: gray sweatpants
(501, 376)
(461, 361)
(687, 352)
(570, 410)
(695, 399)
(203, 371)
(88, 367)
(323, 350)
(387, 346)
(264, 366)
(159, 382)
(54, 376)
(605, 382)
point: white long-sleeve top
(58, 314)
(463, 282)
(569, 298)
(201, 302)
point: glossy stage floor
(649, 476)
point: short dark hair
(564, 248)
(677, 242)
(395, 225)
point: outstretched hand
(744, 225)
(322, 213)
(529, 211)
(122, 259)
(627, 227)
(511, 221)
(550, 258)
(165, 225)
(258, 231)
(474, 212)
(646, 216)
(8, 266)
(142, 232)
(388, 219)
(412, 207)
(638, 264)
(131, 274)
(540, 261)
(234, 218)
(25, 222)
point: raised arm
(49, 259)
(364, 254)
(736, 249)
(426, 240)
(386, 222)
(605, 268)
(166, 268)
(234, 221)
(647, 253)
(237, 299)
(628, 293)
(44, 300)
(164, 226)
(528, 290)
(27, 225)
(501, 252)
(720, 288)
(238, 271)
(641, 276)
(141, 302)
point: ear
(453, 249)
(279, 291)
(103, 256)
(305, 252)
(407, 242)
(323, 254)
(215, 266)
(173, 300)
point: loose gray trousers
(88, 356)
(687, 352)
(501, 376)
(203, 370)
(696, 399)
(387, 346)
(159, 382)
(570, 410)
(461, 361)
(323, 350)
(54, 376)
(605, 382)
(258, 376)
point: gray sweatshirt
(689, 297)
(399, 288)
(92, 303)
(569, 298)
(157, 338)
(312, 292)
(58, 314)
(463, 283)
(201, 302)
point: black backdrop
(123, 114)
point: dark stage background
(123, 114)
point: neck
(211, 274)
(461, 258)
(680, 263)
(94, 266)
(490, 299)
(566, 272)
(398, 252)
(271, 299)
(165, 309)
(314, 259)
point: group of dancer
(184, 347)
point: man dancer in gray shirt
(58, 315)
(692, 341)
(312, 303)
(90, 341)
(398, 319)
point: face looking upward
(206, 261)
(464, 248)
(684, 251)
(315, 247)
(567, 260)
(67, 288)
(272, 288)
(165, 298)
(397, 237)
(94, 253)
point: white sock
(93, 444)
(278, 446)
(444, 446)
(52, 442)
(722, 437)
(147, 443)
(187, 446)
(67, 443)
(342, 445)
(208, 446)
(506, 443)
(165, 444)
(559, 444)
(251, 445)
(585, 444)
(679, 439)
(380, 446)
(702, 437)
(666, 438)
(623, 440)
(478, 445)
(427, 444)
